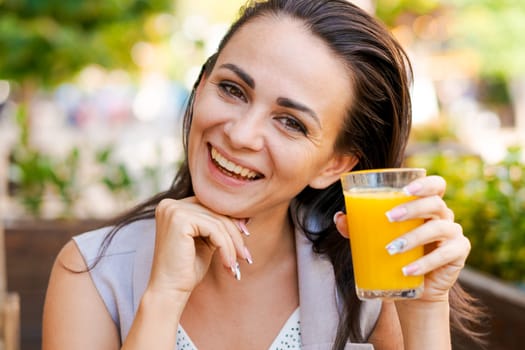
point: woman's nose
(246, 131)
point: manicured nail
(410, 270)
(242, 226)
(412, 188)
(336, 216)
(396, 214)
(236, 270)
(396, 246)
(248, 256)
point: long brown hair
(376, 128)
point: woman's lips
(232, 169)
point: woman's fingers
(427, 186)
(215, 233)
(446, 255)
(341, 223)
(432, 207)
(206, 230)
(232, 228)
(237, 229)
(452, 254)
(180, 224)
(433, 231)
(446, 248)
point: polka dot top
(288, 338)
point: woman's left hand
(446, 248)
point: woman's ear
(339, 164)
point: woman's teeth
(232, 168)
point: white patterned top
(288, 338)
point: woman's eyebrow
(282, 101)
(240, 73)
(288, 103)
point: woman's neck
(270, 239)
(219, 295)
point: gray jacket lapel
(317, 296)
(318, 301)
(142, 267)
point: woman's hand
(187, 235)
(446, 248)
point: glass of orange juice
(369, 194)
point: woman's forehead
(284, 45)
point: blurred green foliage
(494, 30)
(34, 175)
(489, 202)
(490, 32)
(47, 41)
(391, 10)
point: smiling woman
(273, 119)
(298, 92)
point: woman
(298, 92)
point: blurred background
(91, 95)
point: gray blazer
(123, 273)
(318, 301)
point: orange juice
(370, 232)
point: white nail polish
(248, 256)
(243, 228)
(396, 246)
(237, 271)
(410, 270)
(396, 214)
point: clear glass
(369, 194)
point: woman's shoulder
(124, 240)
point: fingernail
(336, 216)
(396, 246)
(412, 188)
(242, 226)
(410, 270)
(396, 214)
(236, 270)
(248, 256)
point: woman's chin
(220, 205)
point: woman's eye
(293, 124)
(232, 90)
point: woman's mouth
(231, 169)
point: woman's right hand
(187, 236)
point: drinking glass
(369, 194)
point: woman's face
(266, 118)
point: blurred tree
(487, 33)
(494, 30)
(47, 41)
(216, 11)
(390, 11)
